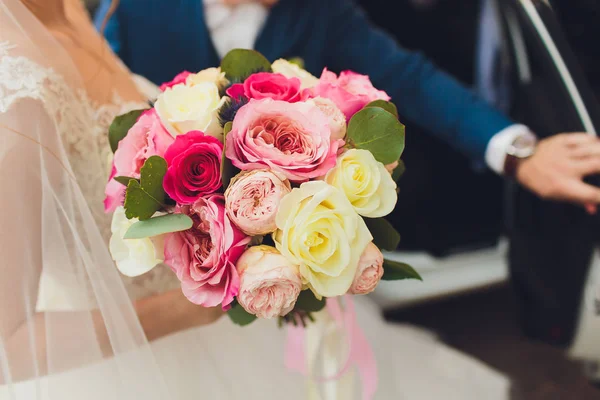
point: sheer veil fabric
(99, 351)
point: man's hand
(558, 166)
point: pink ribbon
(360, 352)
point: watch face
(523, 146)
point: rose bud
(269, 283)
(369, 271)
(252, 200)
(337, 119)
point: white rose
(133, 257)
(183, 108)
(318, 230)
(213, 75)
(337, 119)
(365, 182)
(291, 70)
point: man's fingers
(585, 151)
(580, 192)
(587, 166)
(578, 139)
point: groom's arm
(423, 93)
(112, 30)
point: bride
(70, 326)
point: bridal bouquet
(261, 186)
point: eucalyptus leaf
(395, 271)
(239, 64)
(147, 196)
(121, 126)
(384, 235)
(158, 226)
(239, 316)
(386, 105)
(124, 180)
(378, 131)
(308, 302)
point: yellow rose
(183, 108)
(365, 182)
(133, 257)
(291, 70)
(318, 230)
(213, 75)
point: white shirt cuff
(495, 154)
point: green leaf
(298, 61)
(120, 126)
(395, 271)
(308, 302)
(378, 131)
(384, 235)
(147, 196)
(227, 128)
(239, 316)
(399, 171)
(124, 180)
(239, 64)
(158, 226)
(386, 105)
(228, 171)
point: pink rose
(290, 138)
(350, 91)
(252, 200)
(179, 79)
(146, 138)
(369, 271)
(267, 85)
(204, 257)
(269, 283)
(337, 119)
(194, 161)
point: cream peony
(183, 108)
(133, 256)
(369, 272)
(319, 231)
(365, 182)
(337, 119)
(269, 283)
(212, 75)
(291, 70)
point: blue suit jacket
(160, 38)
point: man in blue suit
(158, 39)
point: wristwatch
(521, 148)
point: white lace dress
(223, 361)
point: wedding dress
(47, 115)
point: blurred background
(458, 220)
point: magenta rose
(194, 167)
(146, 138)
(350, 91)
(293, 139)
(204, 256)
(267, 85)
(179, 79)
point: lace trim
(83, 126)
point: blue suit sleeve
(423, 93)
(112, 31)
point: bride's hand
(171, 312)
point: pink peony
(194, 161)
(267, 85)
(179, 79)
(337, 119)
(290, 138)
(204, 257)
(146, 138)
(252, 200)
(350, 91)
(369, 271)
(269, 283)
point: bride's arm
(36, 183)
